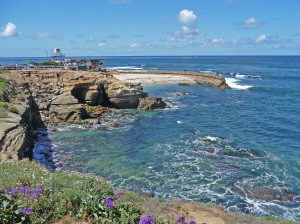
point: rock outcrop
(151, 104)
(124, 95)
(74, 97)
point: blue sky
(149, 27)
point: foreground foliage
(29, 193)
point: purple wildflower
(25, 211)
(147, 220)
(181, 219)
(109, 203)
(193, 222)
(119, 194)
(14, 190)
(25, 190)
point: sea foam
(233, 83)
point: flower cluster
(147, 220)
(119, 194)
(26, 191)
(109, 203)
(181, 219)
(25, 211)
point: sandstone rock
(151, 104)
(124, 95)
(87, 93)
(114, 124)
(16, 135)
(65, 99)
(184, 84)
(69, 113)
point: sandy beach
(151, 78)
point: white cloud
(10, 30)
(102, 44)
(134, 45)
(45, 35)
(185, 34)
(187, 17)
(252, 23)
(261, 38)
(188, 31)
(218, 41)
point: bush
(13, 110)
(4, 104)
(10, 212)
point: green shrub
(4, 104)
(9, 210)
(13, 110)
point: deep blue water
(211, 145)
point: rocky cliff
(16, 129)
(51, 97)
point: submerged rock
(151, 104)
(184, 84)
(114, 124)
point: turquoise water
(219, 146)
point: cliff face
(76, 97)
(43, 97)
(16, 130)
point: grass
(13, 109)
(2, 82)
(67, 197)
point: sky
(149, 27)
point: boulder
(69, 113)
(91, 94)
(114, 124)
(151, 104)
(124, 95)
(65, 99)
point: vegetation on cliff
(29, 193)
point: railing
(25, 67)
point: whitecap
(122, 68)
(233, 84)
(211, 138)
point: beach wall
(214, 81)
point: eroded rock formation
(51, 97)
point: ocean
(238, 148)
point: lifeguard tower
(57, 55)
